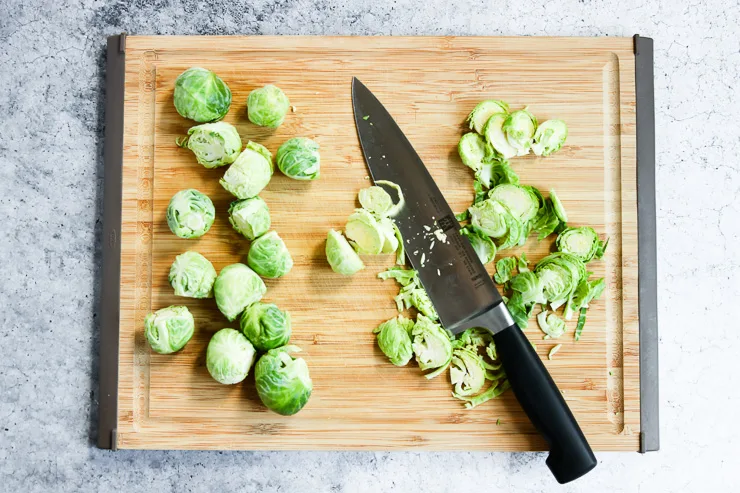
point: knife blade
(458, 284)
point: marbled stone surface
(51, 100)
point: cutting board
(360, 400)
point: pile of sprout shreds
(282, 381)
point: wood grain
(429, 84)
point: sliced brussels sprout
(269, 257)
(482, 244)
(550, 324)
(560, 274)
(299, 158)
(394, 339)
(494, 134)
(483, 112)
(584, 293)
(473, 150)
(378, 201)
(432, 346)
(201, 95)
(265, 325)
(554, 350)
(412, 293)
(341, 256)
(496, 172)
(549, 137)
(250, 217)
(365, 231)
(283, 383)
(495, 390)
(250, 173)
(169, 329)
(214, 144)
(190, 214)
(520, 200)
(529, 285)
(267, 106)
(557, 207)
(504, 270)
(192, 275)
(229, 356)
(522, 263)
(582, 242)
(490, 217)
(518, 310)
(236, 287)
(390, 237)
(467, 373)
(519, 128)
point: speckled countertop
(52, 102)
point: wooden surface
(429, 84)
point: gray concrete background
(51, 102)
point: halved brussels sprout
(549, 137)
(169, 329)
(365, 231)
(250, 217)
(269, 257)
(394, 339)
(582, 242)
(483, 112)
(229, 356)
(519, 128)
(482, 244)
(551, 325)
(265, 325)
(299, 158)
(267, 106)
(520, 200)
(250, 173)
(201, 95)
(283, 383)
(214, 144)
(236, 287)
(494, 134)
(341, 256)
(190, 214)
(432, 346)
(467, 373)
(192, 275)
(473, 150)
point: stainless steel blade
(449, 269)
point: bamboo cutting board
(360, 401)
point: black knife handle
(570, 454)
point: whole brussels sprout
(341, 256)
(229, 356)
(192, 276)
(237, 287)
(299, 158)
(214, 144)
(269, 257)
(283, 383)
(201, 95)
(267, 106)
(169, 329)
(265, 325)
(190, 214)
(250, 217)
(250, 173)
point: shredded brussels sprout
(494, 133)
(473, 150)
(482, 244)
(412, 294)
(554, 350)
(550, 324)
(504, 270)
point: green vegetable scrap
(250, 217)
(341, 256)
(265, 325)
(504, 270)
(432, 346)
(214, 144)
(269, 257)
(267, 106)
(394, 339)
(229, 356)
(190, 214)
(299, 158)
(236, 287)
(250, 173)
(192, 275)
(201, 95)
(283, 383)
(168, 330)
(412, 294)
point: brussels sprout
(190, 214)
(236, 287)
(467, 374)
(549, 218)
(341, 256)
(432, 346)
(267, 106)
(201, 95)
(519, 128)
(229, 356)
(394, 339)
(522, 263)
(494, 134)
(520, 200)
(529, 285)
(489, 216)
(551, 325)
(169, 329)
(584, 294)
(250, 173)
(554, 350)
(496, 172)
(412, 292)
(549, 137)
(518, 310)
(582, 242)
(473, 150)
(483, 112)
(214, 144)
(363, 229)
(299, 158)
(482, 244)
(560, 274)
(269, 257)
(504, 270)
(250, 217)
(192, 276)
(557, 207)
(282, 382)
(265, 325)
(379, 202)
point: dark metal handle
(570, 454)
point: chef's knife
(459, 286)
